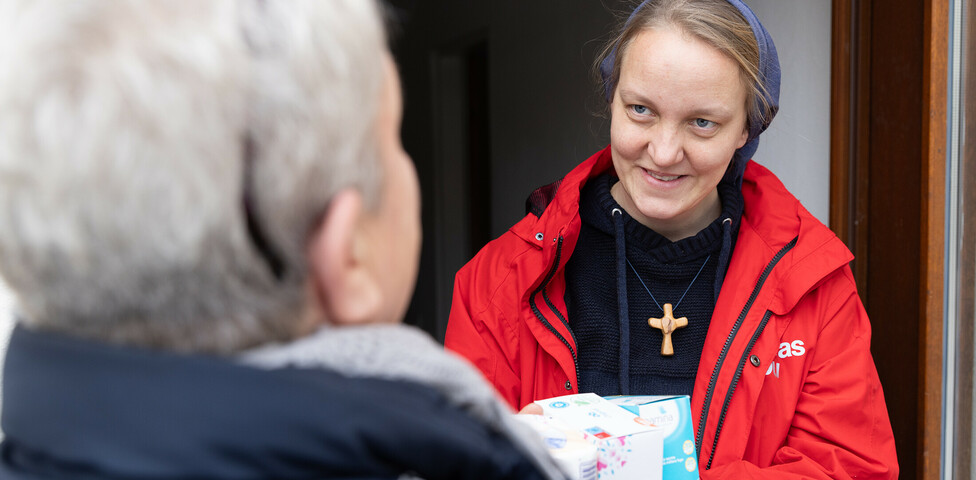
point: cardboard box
(574, 454)
(628, 446)
(673, 415)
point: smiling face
(677, 117)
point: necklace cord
(693, 280)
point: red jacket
(786, 386)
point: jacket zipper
(728, 343)
(735, 382)
(554, 310)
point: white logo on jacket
(786, 350)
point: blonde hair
(715, 22)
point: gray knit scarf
(401, 352)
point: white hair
(162, 163)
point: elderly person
(671, 263)
(211, 231)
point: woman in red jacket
(670, 263)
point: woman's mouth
(663, 178)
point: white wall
(797, 146)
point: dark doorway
(462, 163)
(499, 100)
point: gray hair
(162, 164)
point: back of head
(162, 163)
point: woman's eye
(702, 123)
(640, 109)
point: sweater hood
(770, 75)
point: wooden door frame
(850, 97)
(850, 183)
(932, 258)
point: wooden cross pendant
(667, 324)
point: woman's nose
(664, 145)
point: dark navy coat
(75, 409)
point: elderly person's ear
(345, 286)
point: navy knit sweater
(667, 269)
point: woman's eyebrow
(634, 95)
(714, 111)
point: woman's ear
(347, 290)
(744, 137)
